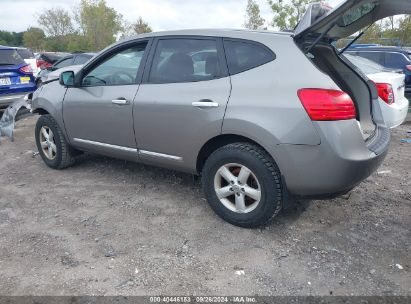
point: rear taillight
(26, 69)
(322, 104)
(385, 92)
(408, 67)
(42, 64)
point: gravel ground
(109, 227)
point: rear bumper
(394, 114)
(12, 95)
(337, 165)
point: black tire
(64, 157)
(266, 172)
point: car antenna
(353, 41)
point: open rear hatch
(316, 33)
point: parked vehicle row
(45, 60)
(68, 60)
(22, 73)
(389, 57)
(227, 104)
(390, 86)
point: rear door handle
(120, 101)
(205, 103)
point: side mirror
(67, 79)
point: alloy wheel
(237, 188)
(47, 143)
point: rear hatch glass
(348, 18)
(10, 57)
(25, 53)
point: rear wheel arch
(219, 141)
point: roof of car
(87, 54)
(210, 32)
(2, 47)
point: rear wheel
(52, 145)
(242, 184)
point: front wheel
(242, 184)
(52, 145)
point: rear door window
(185, 60)
(243, 56)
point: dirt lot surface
(109, 227)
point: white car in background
(390, 86)
(28, 57)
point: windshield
(365, 65)
(10, 57)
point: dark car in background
(72, 59)
(47, 59)
(389, 57)
(16, 76)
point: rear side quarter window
(246, 55)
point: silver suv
(264, 117)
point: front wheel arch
(40, 111)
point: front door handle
(205, 103)
(120, 101)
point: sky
(18, 15)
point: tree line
(93, 25)
(389, 31)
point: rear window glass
(355, 14)
(10, 57)
(25, 53)
(243, 56)
(377, 57)
(365, 65)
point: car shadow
(187, 182)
